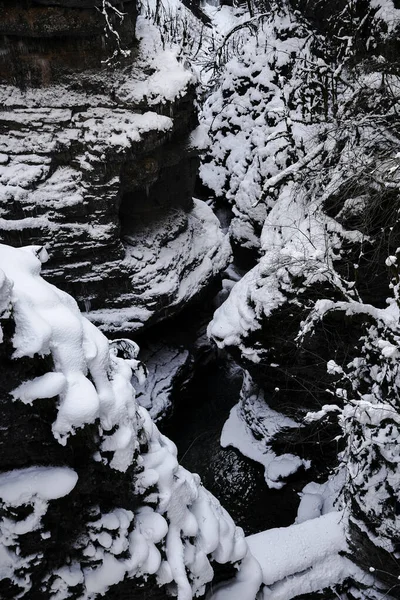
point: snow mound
(19, 486)
(304, 558)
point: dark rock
(239, 485)
(42, 41)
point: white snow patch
(387, 12)
(45, 386)
(236, 433)
(318, 499)
(49, 483)
(304, 558)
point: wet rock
(235, 480)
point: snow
(199, 138)
(49, 483)
(224, 18)
(156, 88)
(236, 433)
(49, 321)
(303, 558)
(119, 128)
(173, 257)
(93, 385)
(256, 167)
(387, 12)
(294, 240)
(301, 546)
(45, 386)
(254, 135)
(240, 313)
(245, 585)
(318, 499)
(263, 147)
(33, 487)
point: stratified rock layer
(100, 169)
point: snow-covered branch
(291, 170)
(110, 30)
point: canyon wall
(97, 161)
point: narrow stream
(236, 481)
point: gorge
(199, 243)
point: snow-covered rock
(100, 168)
(251, 427)
(104, 500)
(302, 147)
(310, 558)
(167, 365)
(169, 260)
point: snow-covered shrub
(257, 121)
(371, 426)
(297, 78)
(104, 500)
(366, 393)
(181, 28)
(312, 175)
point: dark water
(199, 415)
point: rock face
(42, 40)
(98, 166)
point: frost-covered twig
(110, 31)
(303, 162)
